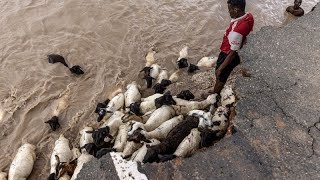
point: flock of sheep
(152, 129)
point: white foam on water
(126, 169)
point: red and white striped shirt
(236, 33)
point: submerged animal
(23, 162)
(76, 70)
(54, 123)
(55, 58)
(150, 57)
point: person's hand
(218, 72)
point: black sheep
(103, 152)
(182, 63)
(172, 141)
(135, 108)
(137, 137)
(209, 136)
(99, 136)
(149, 80)
(159, 88)
(101, 109)
(54, 123)
(186, 95)
(76, 70)
(91, 148)
(166, 99)
(192, 68)
(146, 71)
(165, 82)
(55, 58)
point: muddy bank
(278, 114)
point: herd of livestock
(157, 128)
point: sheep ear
(147, 141)
(109, 136)
(143, 69)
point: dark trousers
(225, 73)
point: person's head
(297, 4)
(236, 8)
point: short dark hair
(238, 3)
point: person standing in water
(234, 37)
(296, 10)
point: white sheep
(85, 138)
(130, 148)
(23, 162)
(65, 176)
(62, 150)
(121, 138)
(133, 126)
(227, 96)
(138, 156)
(152, 97)
(162, 131)
(175, 76)
(189, 144)
(155, 71)
(132, 94)
(220, 119)
(114, 122)
(150, 57)
(115, 104)
(183, 106)
(205, 118)
(164, 74)
(158, 117)
(207, 62)
(183, 53)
